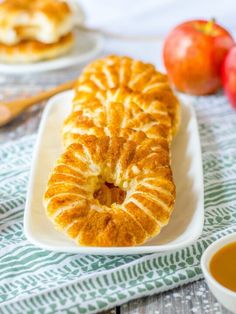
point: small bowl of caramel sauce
(219, 268)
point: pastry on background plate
(34, 30)
(33, 51)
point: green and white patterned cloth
(37, 281)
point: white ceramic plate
(186, 222)
(87, 45)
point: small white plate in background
(87, 45)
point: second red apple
(229, 76)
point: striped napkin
(37, 281)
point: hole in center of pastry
(109, 194)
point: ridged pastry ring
(140, 170)
(108, 112)
(113, 72)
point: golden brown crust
(141, 169)
(32, 51)
(42, 20)
(114, 71)
(113, 185)
(53, 9)
(113, 111)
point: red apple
(193, 55)
(229, 76)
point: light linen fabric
(38, 281)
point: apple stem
(209, 26)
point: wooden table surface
(191, 298)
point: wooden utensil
(10, 110)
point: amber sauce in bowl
(222, 266)
(218, 265)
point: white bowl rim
(207, 255)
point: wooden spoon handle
(10, 110)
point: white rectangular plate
(186, 222)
